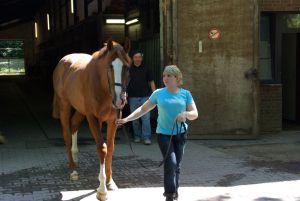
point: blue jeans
(141, 129)
(173, 159)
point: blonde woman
(175, 105)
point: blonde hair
(175, 71)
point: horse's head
(120, 71)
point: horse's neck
(97, 76)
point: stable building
(238, 57)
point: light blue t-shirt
(169, 106)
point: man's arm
(152, 85)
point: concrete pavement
(33, 163)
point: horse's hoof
(101, 196)
(112, 186)
(74, 176)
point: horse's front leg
(102, 190)
(95, 127)
(111, 132)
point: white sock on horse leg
(112, 186)
(74, 148)
(102, 179)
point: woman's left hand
(181, 117)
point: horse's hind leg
(77, 118)
(65, 110)
(111, 132)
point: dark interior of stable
(48, 30)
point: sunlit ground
(276, 191)
(7, 71)
(12, 66)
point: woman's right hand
(120, 122)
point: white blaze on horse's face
(117, 66)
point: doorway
(291, 80)
(12, 57)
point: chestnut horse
(93, 85)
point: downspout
(175, 31)
(256, 82)
(168, 31)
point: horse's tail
(55, 107)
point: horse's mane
(100, 53)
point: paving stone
(33, 164)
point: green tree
(11, 48)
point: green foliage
(11, 49)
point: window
(11, 57)
(35, 29)
(292, 21)
(48, 21)
(266, 44)
(70, 6)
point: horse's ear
(109, 44)
(127, 45)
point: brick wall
(280, 5)
(271, 108)
(216, 76)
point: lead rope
(171, 138)
(169, 146)
(126, 134)
(130, 144)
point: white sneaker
(147, 142)
(137, 140)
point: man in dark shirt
(141, 81)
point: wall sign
(214, 34)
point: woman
(175, 105)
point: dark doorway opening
(291, 81)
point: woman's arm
(146, 107)
(191, 113)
